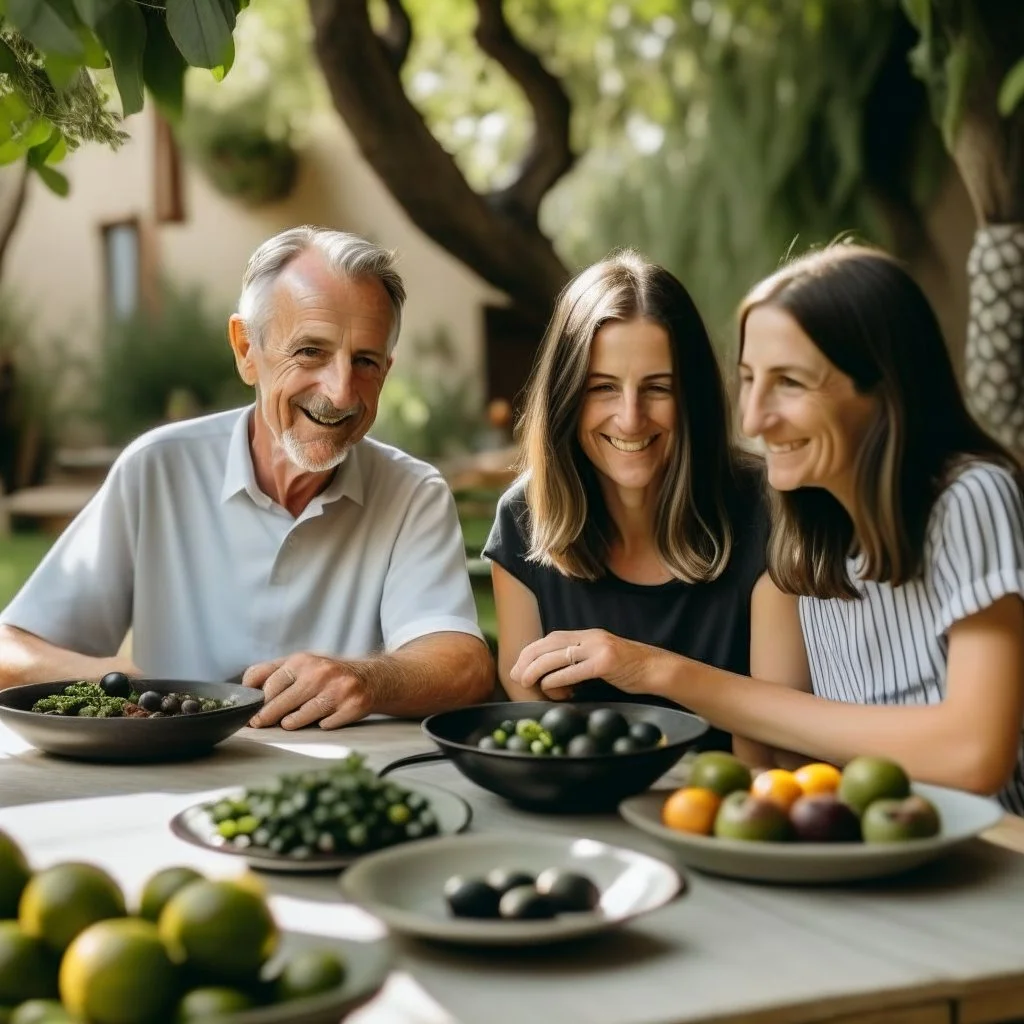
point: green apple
(866, 779)
(743, 816)
(895, 821)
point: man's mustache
(323, 409)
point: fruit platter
(817, 824)
(320, 819)
(192, 949)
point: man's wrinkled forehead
(308, 292)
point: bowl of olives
(564, 757)
(509, 890)
(119, 718)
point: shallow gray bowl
(129, 739)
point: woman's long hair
(872, 321)
(570, 527)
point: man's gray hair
(346, 254)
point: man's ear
(387, 368)
(243, 349)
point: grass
(19, 555)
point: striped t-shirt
(890, 647)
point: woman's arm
(777, 655)
(518, 626)
(968, 741)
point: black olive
(606, 725)
(170, 705)
(563, 723)
(470, 897)
(571, 892)
(116, 684)
(626, 745)
(191, 706)
(151, 700)
(583, 746)
(647, 734)
(503, 879)
(524, 903)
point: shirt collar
(239, 474)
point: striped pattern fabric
(890, 647)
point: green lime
(212, 1001)
(64, 900)
(118, 972)
(41, 1011)
(161, 887)
(310, 972)
(14, 876)
(720, 772)
(224, 930)
(28, 969)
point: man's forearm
(433, 673)
(26, 658)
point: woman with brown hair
(633, 511)
(894, 623)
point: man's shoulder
(205, 436)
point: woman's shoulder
(512, 505)
(976, 486)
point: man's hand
(306, 688)
(560, 660)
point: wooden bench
(51, 506)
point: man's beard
(301, 453)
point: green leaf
(221, 70)
(919, 13)
(1011, 92)
(201, 29)
(61, 71)
(40, 23)
(37, 134)
(95, 51)
(37, 154)
(54, 180)
(959, 64)
(123, 32)
(163, 68)
(8, 62)
(92, 12)
(11, 151)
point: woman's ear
(243, 349)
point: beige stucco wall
(55, 265)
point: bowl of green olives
(492, 889)
(562, 757)
(121, 718)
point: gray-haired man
(277, 540)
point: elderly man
(277, 543)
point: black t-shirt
(709, 622)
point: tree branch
(17, 205)
(397, 36)
(366, 89)
(550, 155)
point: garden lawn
(19, 555)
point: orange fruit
(778, 786)
(818, 778)
(691, 809)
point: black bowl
(174, 738)
(565, 784)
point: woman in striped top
(891, 620)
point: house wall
(55, 266)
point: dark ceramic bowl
(560, 784)
(175, 738)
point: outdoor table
(945, 944)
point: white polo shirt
(213, 576)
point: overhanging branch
(397, 34)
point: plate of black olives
(120, 718)
(508, 889)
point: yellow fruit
(64, 900)
(14, 876)
(161, 887)
(308, 973)
(818, 778)
(720, 772)
(118, 972)
(28, 969)
(213, 1001)
(778, 786)
(691, 809)
(221, 929)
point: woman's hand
(560, 660)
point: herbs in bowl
(115, 696)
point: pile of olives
(341, 809)
(566, 731)
(512, 895)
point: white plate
(367, 965)
(963, 816)
(194, 826)
(404, 885)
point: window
(122, 256)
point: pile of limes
(196, 948)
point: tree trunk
(10, 210)
(497, 236)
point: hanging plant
(247, 164)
